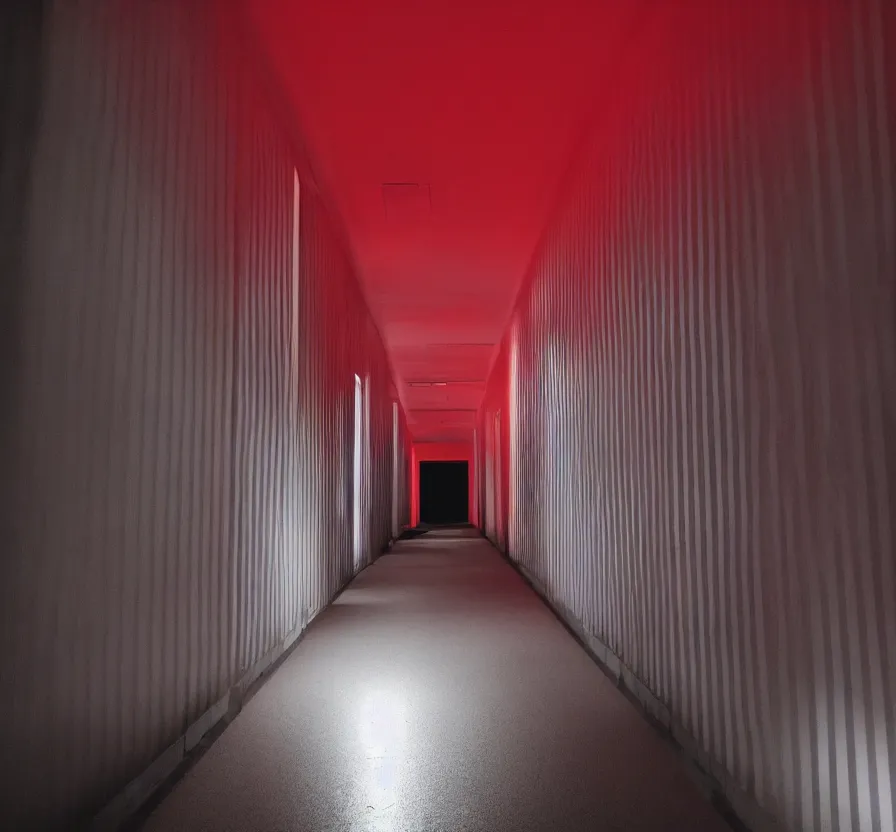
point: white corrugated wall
(700, 388)
(178, 417)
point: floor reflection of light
(383, 728)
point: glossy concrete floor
(437, 693)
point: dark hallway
(287, 284)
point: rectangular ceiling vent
(407, 202)
(447, 383)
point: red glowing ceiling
(439, 132)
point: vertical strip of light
(296, 576)
(395, 439)
(296, 203)
(366, 468)
(475, 518)
(356, 478)
(498, 463)
(512, 416)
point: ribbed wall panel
(179, 419)
(699, 384)
(347, 344)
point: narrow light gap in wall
(356, 471)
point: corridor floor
(437, 693)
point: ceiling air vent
(406, 202)
(447, 382)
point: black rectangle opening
(444, 496)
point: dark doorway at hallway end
(444, 492)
